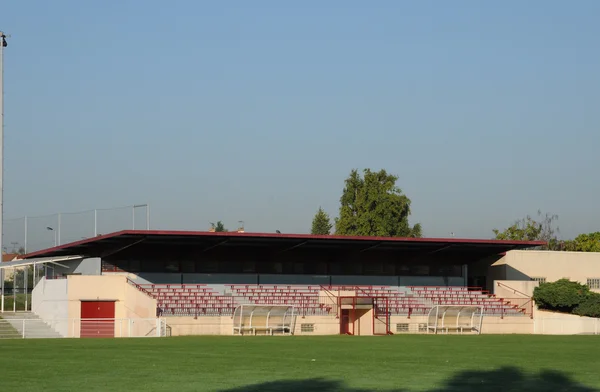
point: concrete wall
(514, 288)
(550, 323)
(67, 294)
(89, 266)
(50, 301)
(528, 264)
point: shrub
(562, 295)
(590, 307)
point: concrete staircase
(34, 326)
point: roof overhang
(133, 240)
(40, 260)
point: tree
(21, 251)
(584, 243)
(218, 228)
(321, 224)
(529, 229)
(372, 205)
(562, 295)
(590, 307)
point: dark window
(172, 266)
(134, 266)
(188, 266)
(249, 267)
(298, 268)
(419, 270)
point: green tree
(219, 227)
(584, 243)
(528, 229)
(562, 295)
(590, 307)
(321, 224)
(372, 205)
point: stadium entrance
(364, 316)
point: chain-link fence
(31, 233)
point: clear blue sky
(257, 111)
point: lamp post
(3, 45)
(55, 235)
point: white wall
(50, 300)
(527, 264)
(551, 323)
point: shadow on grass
(506, 379)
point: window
(401, 327)
(593, 283)
(539, 280)
(307, 328)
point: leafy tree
(529, 229)
(562, 295)
(584, 243)
(21, 251)
(372, 205)
(219, 227)
(321, 224)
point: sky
(257, 111)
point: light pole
(3, 45)
(55, 235)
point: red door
(344, 322)
(97, 319)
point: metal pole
(25, 248)
(25, 286)
(147, 216)
(14, 289)
(58, 231)
(1, 289)
(133, 216)
(95, 223)
(2, 44)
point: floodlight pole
(25, 247)
(2, 46)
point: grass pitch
(308, 364)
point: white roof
(39, 260)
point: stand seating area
(200, 299)
(189, 300)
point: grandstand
(197, 281)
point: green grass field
(319, 364)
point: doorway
(97, 319)
(345, 322)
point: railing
(82, 328)
(140, 288)
(525, 305)
(515, 291)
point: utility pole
(3, 45)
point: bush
(590, 307)
(562, 295)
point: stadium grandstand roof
(110, 244)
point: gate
(381, 316)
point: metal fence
(32, 233)
(31, 328)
